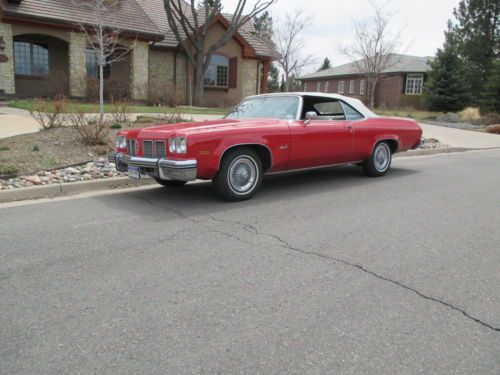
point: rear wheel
(170, 184)
(380, 160)
(239, 176)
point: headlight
(171, 144)
(121, 142)
(177, 145)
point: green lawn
(74, 107)
(420, 116)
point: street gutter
(74, 188)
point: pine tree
(273, 79)
(490, 101)
(447, 88)
(326, 64)
(477, 33)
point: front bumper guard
(165, 169)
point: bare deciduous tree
(289, 44)
(190, 20)
(374, 48)
(105, 42)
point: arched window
(93, 68)
(217, 74)
(31, 58)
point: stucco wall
(7, 83)
(247, 73)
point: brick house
(43, 52)
(400, 85)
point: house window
(305, 86)
(351, 87)
(327, 86)
(341, 87)
(217, 74)
(414, 83)
(318, 87)
(93, 67)
(362, 85)
(31, 58)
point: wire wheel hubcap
(242, 175)
(382, 157)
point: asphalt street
(323, 272)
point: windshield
(278, 107)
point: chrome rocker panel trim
(165, 169)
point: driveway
(461, 138)
(324, 272)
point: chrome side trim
(246, 144)
(313, 168)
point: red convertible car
(266, 134)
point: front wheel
(239, 176)
(380, 160)
(170, 184)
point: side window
(329, 110)
(350, 113)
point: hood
(186, 128)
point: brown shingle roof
(156, 12)
(129, 16)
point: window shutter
(405, 80)
(233, 72)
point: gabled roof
(129, 16)
(156, 12)
(398, 64)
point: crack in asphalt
(253, 230)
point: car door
(326, 140)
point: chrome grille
(147, 149)
(131, 147)
(160, 149)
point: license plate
(134, 172)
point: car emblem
(136, 147)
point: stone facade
(162, 87)
(249, 78)
(139, 71)
(77, 65)
(7, 83)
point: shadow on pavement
(200, 198)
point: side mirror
(310, 116)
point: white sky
(424, 22)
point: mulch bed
(52, 149)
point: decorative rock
(449, 117)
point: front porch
(45, 62)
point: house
(400, 85)
(43, 52)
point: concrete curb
(58, 190)
(435, 151)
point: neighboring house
(400, 85)
(44, 53)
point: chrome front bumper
(165, 169)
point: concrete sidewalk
(14, 121)
(461, 138)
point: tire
(170, 184)
(239, 176)
(380, 160)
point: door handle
(348, 127)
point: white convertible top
(353, 102)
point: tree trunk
(101, 95)
(287, 82)
(373, 86)
(199, 82)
